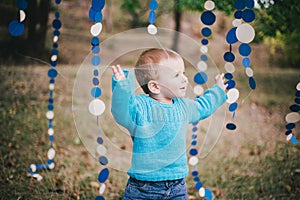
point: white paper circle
(233, 95)
(289, 137)
(53, 58)
(229, 67)
(202, 66)
(209, 5)
(51, 154)
(96, 107)
(298, 86)
(51, 166)
(152, 29)
(55, 38)
(50, 131)
(198, 90)
(38, 177)
(33, 167)
(249, 72)
(50, 114)
(96, 29)
(22, 15)
(102, 188)
(292, 117)
(245, 33)
(204, 49)
(51, 86)
(236, 22)
(202, 192)
(101, 150)
(193, 161)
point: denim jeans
(164, 190)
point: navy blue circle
(228, 76)
(204, 57)
(99, 140)
(288, 132)
(96, 92)
(54, 52)
(238, 14)
(196, 179)
(103, 160)
(249, 3)
(208, 18)
(153, 5)
(248, 15)
(295, 108)
(193, 152)
(103, 175)
(96, 73)
(239, 4)
(229, 57)
(99, 198)
(50, 107)
(233, 107)
(57, 15)
(195, 123)
(52, 73)
(56, 24)
(52, 80)
(206, 32)
(95, 81)
(297, 100)
(56, 33)
(231, 36)
(204, 41)
(57, 1)
(95, 41)
(194, 136)
(231, 84)
(231, 126)
(152, 17)
(198, 185)
(245, 49)
(53, 63)
(50, 100)
(290, 126)
(98, 5)
(22, 4)
(297, 94)
(195, 173)
(95, 49)
(51, 138)
(200, 78)
(16, 28)
(194, 143)
(195, 129)
(55, 45)
(252, 83)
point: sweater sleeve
(204, 106)
(123, 104)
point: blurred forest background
(254, 162)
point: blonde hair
(147, 65)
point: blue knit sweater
(159, 130)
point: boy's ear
(153, 87)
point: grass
(254, 174)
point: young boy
(158, 122)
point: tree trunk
(177, 18)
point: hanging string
(52, 74)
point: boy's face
(172, 80)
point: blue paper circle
(204, 41)
(231, 36)
(57, 15)
(52, 80)
(297, 100)
(195, 173)
(200, 78)
(95, 41)
(103, 175)
(98, 5)
(290, 126)
(99, 140)
(96, 92)
(204, 57)
(228, 76)
(297, 94)
(245, 49)
(248, 15)
(56, 33)
(51, 138)
(206, 32)
(153, 5)
(198, 186)
(103, 160)
(229, 57)
(208, 18)
(196, 179)
(96, 60)
(16, 28)
(288, 132)
(231, 84)
(238, 14)
(249, 3)
(53, 63)
(99, 198)
(95, 49)
(22, 4)
(92, 14)
(57, 1)
(295, 108)
(96, 73)
(239, 4)
(233, 107)
(56, 24)
(95, 81)
(152, 17)
(231, 126)
(246, 62)
(98, 17)
(252, 83)
(50, 100)
(52, 73)
(193, 152)
(50, 107)
(194, 136)
(194, 143)
(54, 52)
(55, 45)
(208, 194)
(195, 129)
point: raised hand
(220, 81)
(118, 72)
